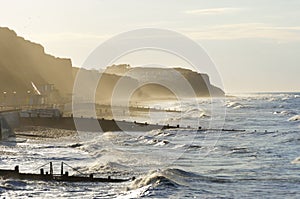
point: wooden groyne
(62, 177)
(53, 118)
(90, 124)
(96, 125)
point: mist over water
(262, 161)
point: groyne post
(51, 168)
(0, 129)
(62, 169)
(17, 169)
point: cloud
(212, 11)
(246, 31)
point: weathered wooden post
(17, 169)
(51, 169)
(0, 128)
(62, 168)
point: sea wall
(8, 121)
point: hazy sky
(254, 43)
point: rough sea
(263, 161)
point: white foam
(283, 113)
(296, 161)
(294, 118)
(136, 193)
(149, 179)
(162, 143)
(285, 98)
(272, 99)
(238, 107)
(195, 113)
(234, 105)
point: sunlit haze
(254, 44)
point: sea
(241, 146)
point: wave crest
(294, 118)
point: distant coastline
(29, 76)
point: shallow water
(179, 163)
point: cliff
(199, 82)
(106, 85)
(23, 62)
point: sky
(255, 44)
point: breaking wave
(171, 177)
(296, 161)
(190, 114)
(294, 118)
(283, 113)
(234, 105)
